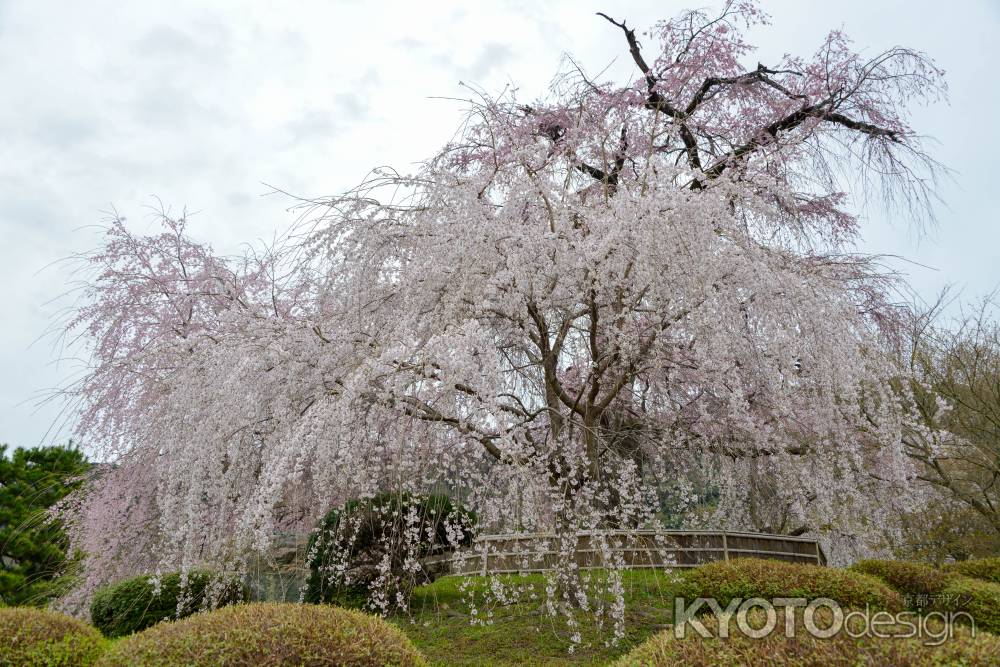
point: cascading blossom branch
(577, 305)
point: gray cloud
(164, 40)
(313, 124)
(62, 131)
(493, 56)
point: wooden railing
(540, 552)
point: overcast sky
(197, 104)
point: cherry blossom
(580, 304)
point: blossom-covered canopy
(580, 306)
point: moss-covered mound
(926, 589)
(987, 569)
(806, 650)
(268, 635)
(979, 599)
(911, 579)
(752, 577)
(42, 638)
(135, 604)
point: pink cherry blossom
(579, 305)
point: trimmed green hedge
(268, 635)
(133, 604)
(926, 589)
(987, 569)
(349, 544)
(911, 579)
(753, 577)
(979, 599)
(42, 638)
(664, 650)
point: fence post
(725, 545)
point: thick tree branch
(770, 132)
(760, 75)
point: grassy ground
(519, 632)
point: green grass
(521, 632)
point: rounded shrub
(753, 577)
(852, 645)
(268, 635)
(979, 599)
(372, 548)
(916, 581)
(135, 604)
(987, 569)
(42, 638)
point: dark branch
(633, 46)
(759, 75)
(770, 132)
(609, 178)
(655, 101)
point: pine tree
(33, 544)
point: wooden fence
(521, 553)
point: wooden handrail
(507, 556)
